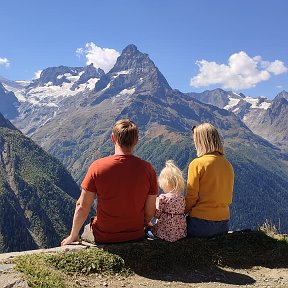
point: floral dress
(171, 225)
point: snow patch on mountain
(124, 72)
(258, 103)
(50, 94)
(232, 102)
(90, 84)
(127, 91)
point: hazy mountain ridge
(37, 194)
(80, 132)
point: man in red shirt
(126, 189)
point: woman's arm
(192, 190)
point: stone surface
(11, 280)
(73, 247)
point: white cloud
(241, 72)
(277, 67)
(79, 51)
(5, 62)
(103, 58)
(37, 74)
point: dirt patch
(217, 277)
(255, 277)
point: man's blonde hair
(207, 139)
(125, 132)
(171, 176)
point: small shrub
(269, 228)
(87, 261)
(37, 273)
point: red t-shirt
(122, 184)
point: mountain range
(72, 119)
(267, 118)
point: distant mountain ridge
(37, 194)
(62, 74)
(40, 99)
(78, 131)
(267, 118)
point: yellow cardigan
(209, 187)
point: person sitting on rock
(209, 185)
(126, 189)
(170, 206)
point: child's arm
(159, 206)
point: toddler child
(171, 223)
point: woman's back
(210, 187)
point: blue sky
(197, 45)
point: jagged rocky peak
(56, 75)
(282, 94)
(63, 74)
(90, 72)
(218, 92)
(279, 105)
(132, 58)
(131, 49)
(133, 70)
(217, 97)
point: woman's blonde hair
(207, 139)
(171, 176)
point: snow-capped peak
(54, 84)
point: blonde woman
(171, 222)
(209, 185)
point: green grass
(38, 273)
(51, 270)
(150, 258)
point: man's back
(122, 184)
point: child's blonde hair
(171, 176)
